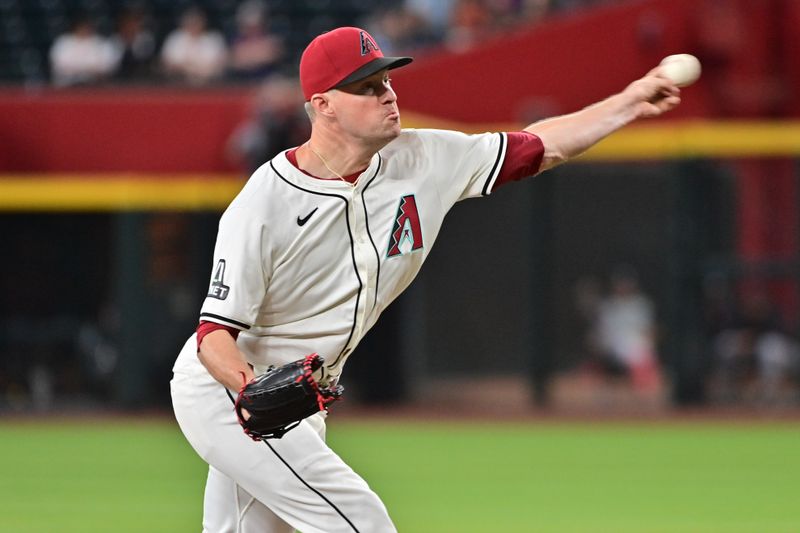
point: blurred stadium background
(681, 233)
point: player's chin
(393, 124)
(389, 132)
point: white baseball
(682, 69)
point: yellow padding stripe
(115, 192)
(700, 139)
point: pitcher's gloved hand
(282, 397)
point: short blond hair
(312, 114)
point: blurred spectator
(755, 356)
(278, 122)
(534, 9)
(135, 45)
(401, 31)
(82, 56)
(435, 13)
(255, 53)
(622, 338)
(577, 5)
(507, 13)
(192, 52)
(470, 23)
(473, 21)
(588, 294)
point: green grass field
(141, 476)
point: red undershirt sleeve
(523, 157)
(205, 327)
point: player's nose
(388, 96)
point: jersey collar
(301, 179)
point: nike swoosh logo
(302, 221)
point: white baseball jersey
(307, 265)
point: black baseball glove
(281, 398)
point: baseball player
(319, 241)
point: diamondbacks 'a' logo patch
(406, 236)
(218, 288)
(367, 44)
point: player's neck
(328, 158)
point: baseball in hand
(682, 69)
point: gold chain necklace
(326, 163)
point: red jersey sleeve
(523, 157)
(205, 327)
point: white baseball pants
(275, 486)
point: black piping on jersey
(371, 240)
(303, 481)
(352, 254)
(224, 319)
(496, 167)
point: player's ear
(321, 102)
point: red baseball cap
(342, 56)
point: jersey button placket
(365, 257)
